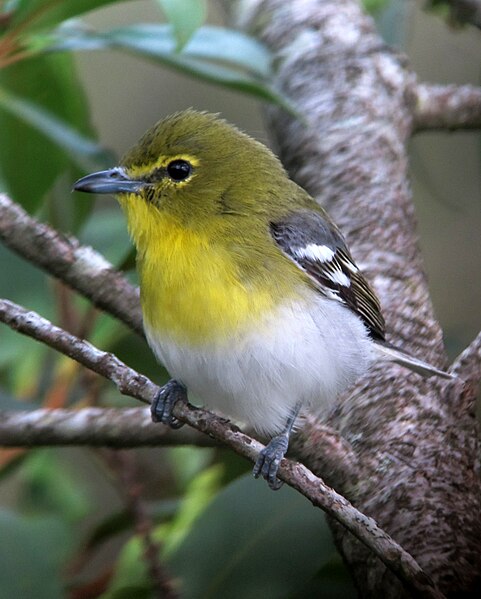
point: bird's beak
(113, 180)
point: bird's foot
(270, 457)
(164, 402)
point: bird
(250, 296)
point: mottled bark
(94, 427)
(415, 441)
(447, 107)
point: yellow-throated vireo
(250, 296)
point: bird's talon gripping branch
(164, 403)
(269, 459)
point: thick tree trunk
(412, 444)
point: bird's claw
(269, 459)
(164, 402)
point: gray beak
(113, 181)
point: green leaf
(132, 592)
(185, 16)
(42, 105)
(215, 54)
(131, 575)
(32, 554)
(198, 496)
(49, 487)
(188, 462)
(374, 6)
(34, 15)
(86, 153)
(216, 44)
(251, 542)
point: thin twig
(446, 107)
(106, 364)
(296, 475)
(132, 490)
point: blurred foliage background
(80, 81)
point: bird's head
(192, 166)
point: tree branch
(130, 382)
(80, 267)
(446, 107)
(95, 427)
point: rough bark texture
(447, 107)
(415, 441)
(94, 427)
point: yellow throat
(191, 289)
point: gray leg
(270, 457)
(164, 402)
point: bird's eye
(178, 170)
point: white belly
(306, 351)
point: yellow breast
(192, 289)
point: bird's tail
(388, 352)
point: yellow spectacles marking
(142, 170)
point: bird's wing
(318, 248)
